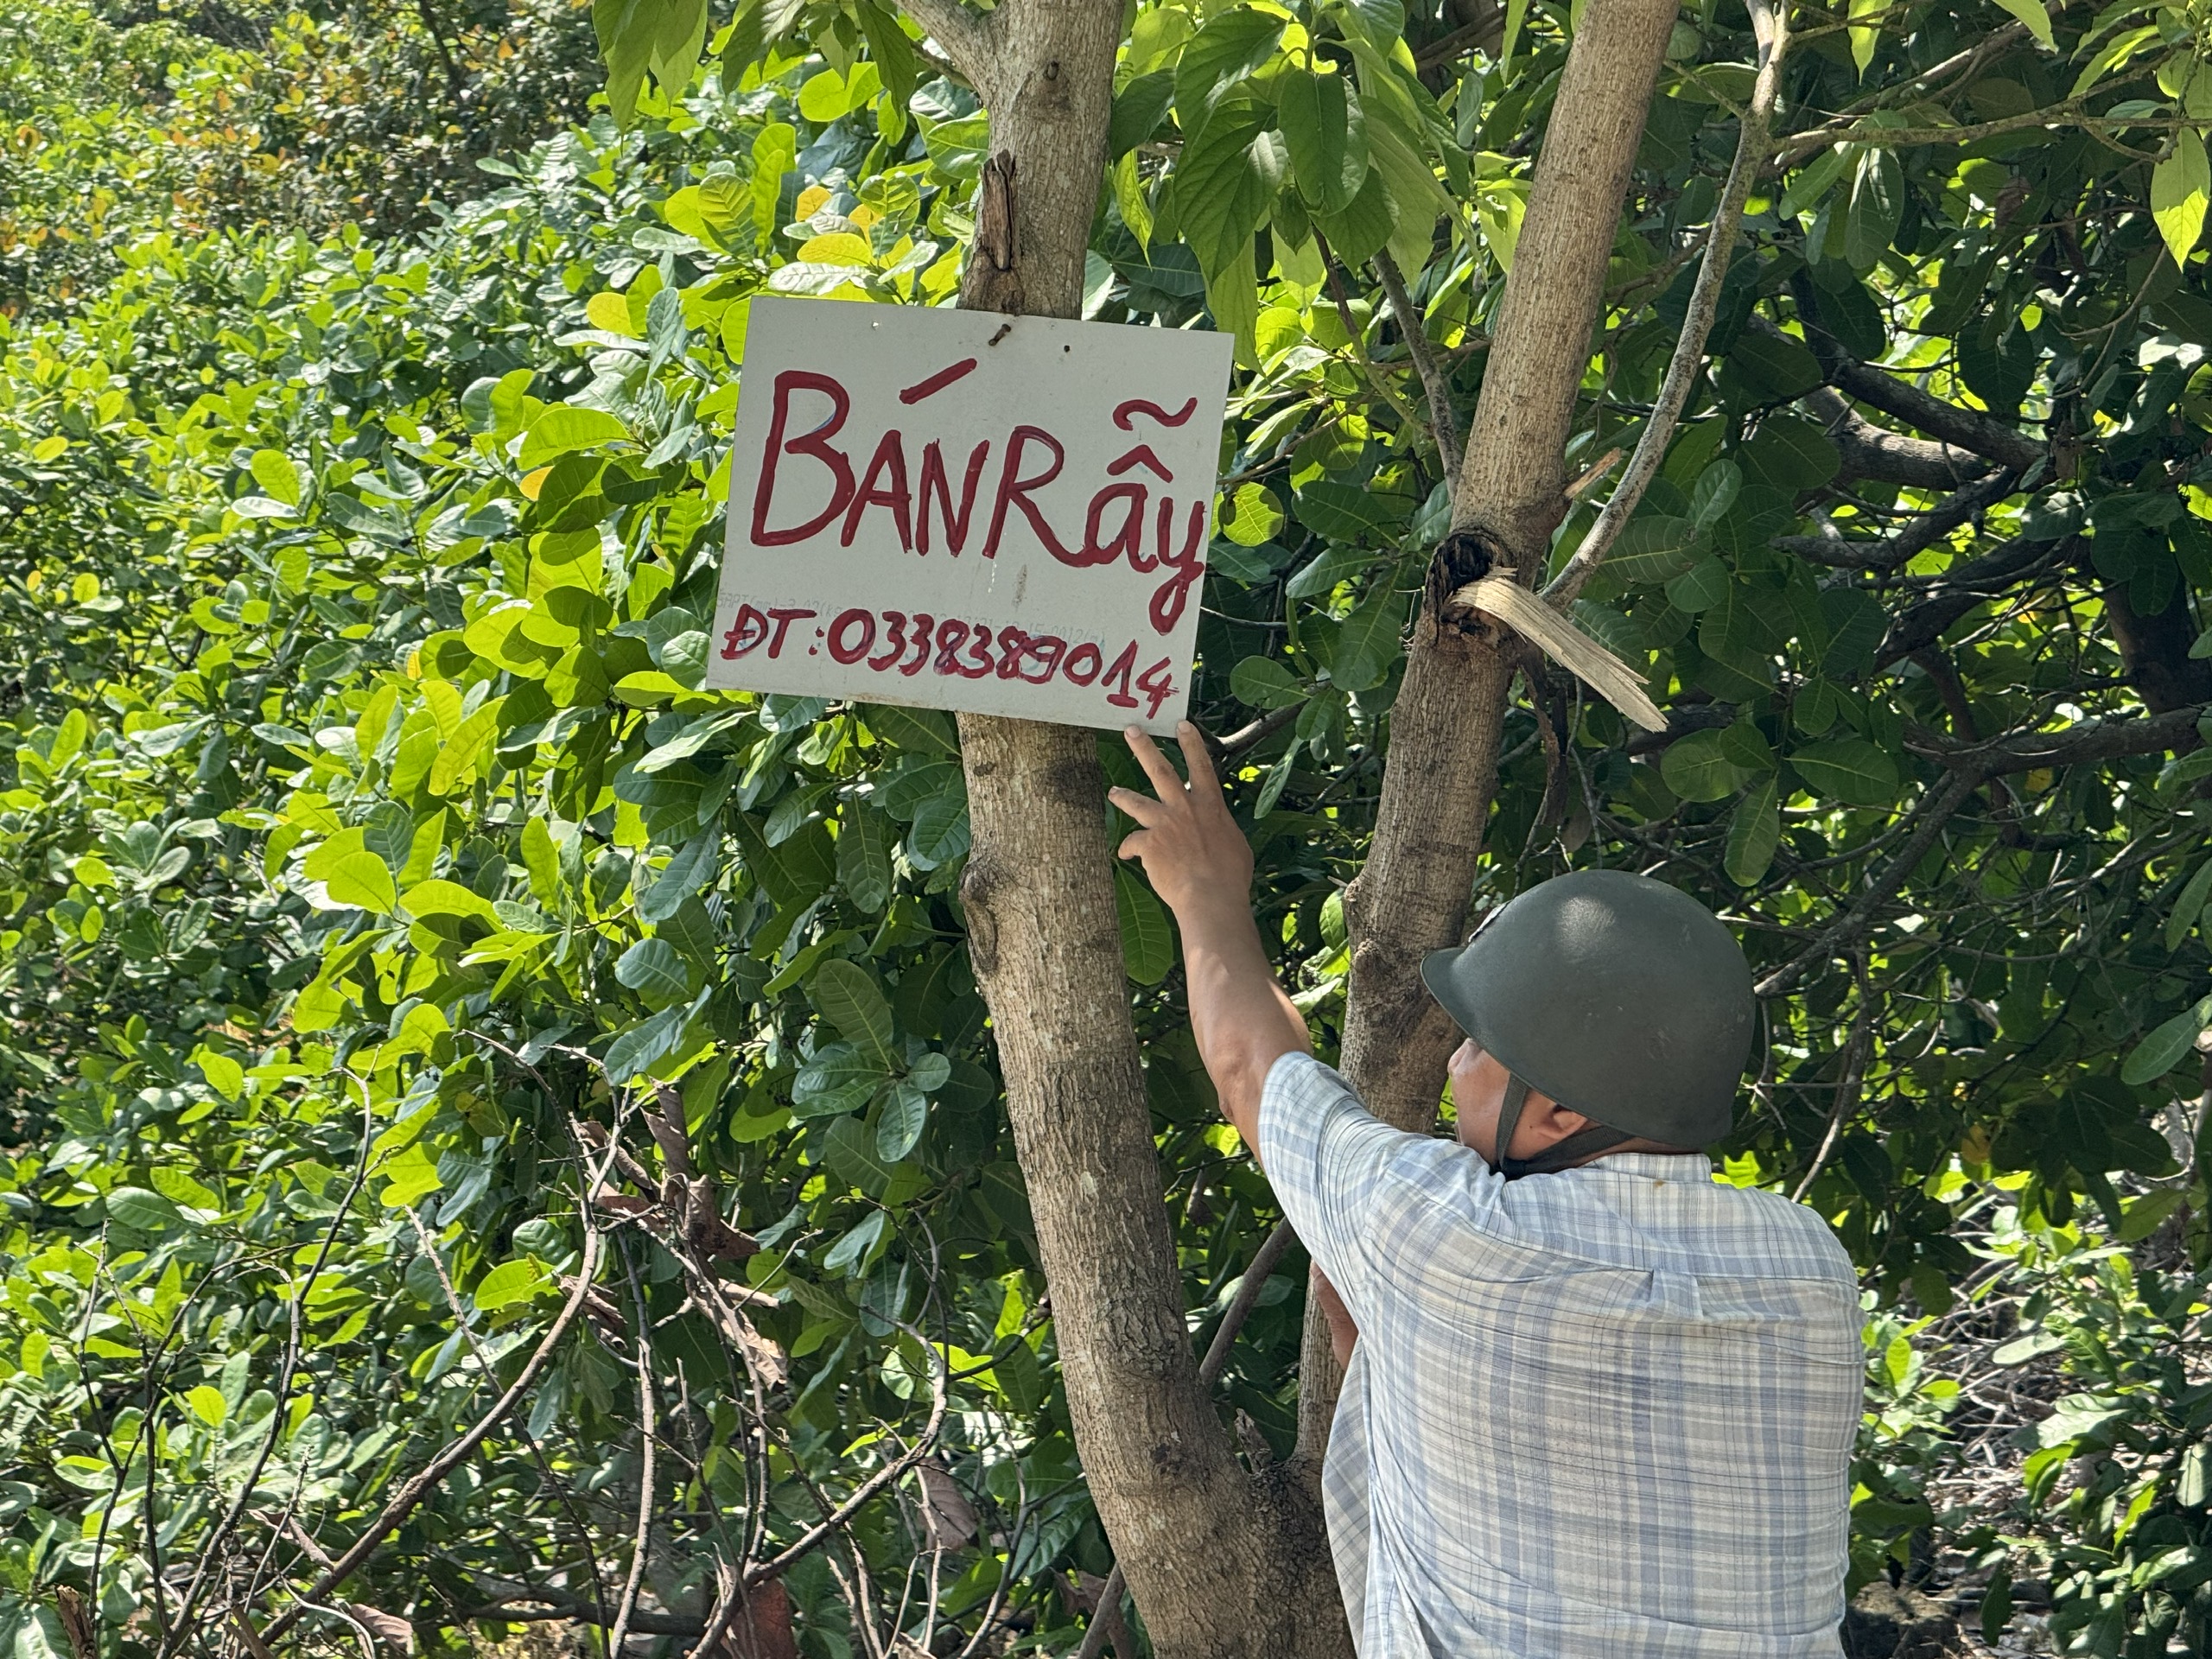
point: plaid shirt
(1607, 1412)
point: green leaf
(1789, 456)
(1516, 11)
(2142, 1215)
(1367, 641)
(643, 1046)
(362, 879)
(691, 868)
(846, 995)
(438, 897)
(1345, 512)
(1697, 768)
(1382, 21)
(143, 1211)
(1232, 46)
(1863, 40)
(775, 153)
(1138, 108)
(898, 1126)
(2189, 906)
(1877, 206)
(1321, 574)
(509, 1283)
(1148, 940)
(2180, 186)
(1847, 769)
(1251, 515)
(941, 831)
(1653, 550)
(542, 859)
(2036, 16)
(1715, 493)
(1704, 584)
(1357, 233)
(838, 1079)
(925, 731)
(561, 427)
(662, 36)
(225, 1075)
(1417, 200)
(654, 971)
(1814, 181)
(2162, 1049)
(410, 1177)
(1224, 182)
(207, 1405)
(1754, 830)
(864, 841)
(828, 96)
(1265, 683)
(273, 470)
(1272, 786)
(851, 1255)
(1326, 131)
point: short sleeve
(1326, 1157)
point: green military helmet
(1619, 997)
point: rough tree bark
(1223, 1565)
(1442, 768)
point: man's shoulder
(1781, 1235)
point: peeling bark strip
(1442, 767)
(1222, 1566)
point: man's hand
(1201, 865)
(1191, 849)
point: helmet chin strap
(1562, 1155)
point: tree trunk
(1441, 772)
(1222, 1566)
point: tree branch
(1871, 451)
(1917, 535)
(969, 38)
(1970, 765)
(1958, 590)
(1753, 141)
(2087, 743)
(1936, 810)
(404, 1502)
(761, 1572)
(1881, 390)
(1433, 381)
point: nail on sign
(969, 510)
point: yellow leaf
(809, 201)
(413, 1175)
(2180, 186)
(1862, 40)
(612, 313)
(208, 1405)
(838, 248)
(2036, 16)
(535, 481)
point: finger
(1142, 808)
(1133, 845)
(1196, 757)
(1154, 764)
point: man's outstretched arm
(1201, 867)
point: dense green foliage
(372, 858)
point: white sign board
(969, 510)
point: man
(1597, 1404)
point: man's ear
(1554, 1122)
